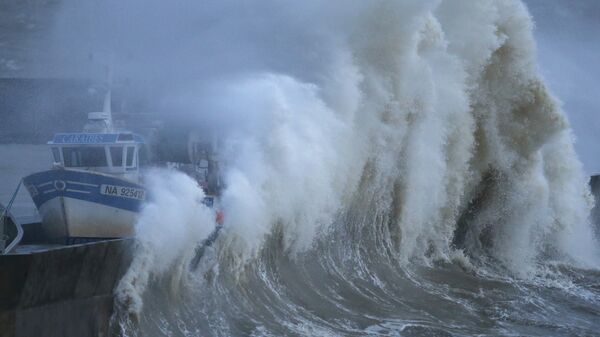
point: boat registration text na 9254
(122, 191)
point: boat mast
(108, 97)
(106, 110)
(102, 121)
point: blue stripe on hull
(83, 185)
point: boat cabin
(112, 153)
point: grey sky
(568, 37)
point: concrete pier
(65, 291)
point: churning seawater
(392, 168)
(409, 175)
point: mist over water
(391, 168)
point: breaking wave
(391, 167)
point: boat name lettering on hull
(122, 191)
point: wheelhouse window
(116, 155)
(56, 154)
(85, 156)
(130, 155)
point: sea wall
(61, 292)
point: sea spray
(432, 111)
(366, 148)
(171, 224)
(292, 165)
(436, 117)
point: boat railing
(3, 217)
(2, 235)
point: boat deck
(35, 248)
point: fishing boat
(64, 266)
(93, 191)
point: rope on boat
(5, 214)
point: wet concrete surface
(61, 292)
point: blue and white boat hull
(83, 205)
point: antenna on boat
(102, 121)
(107, 97)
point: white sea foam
(439, 108)
(433, 111)
(171, 224)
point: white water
(169, 227)
(420, 100)
(412, 110)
